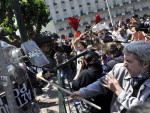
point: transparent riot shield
(35, 55)
(17, 73)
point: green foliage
(35, 14)
(7, 20)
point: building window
(62, 1)
(96, 1)
(100, 9)
(75, 16)
(64, 9)
(72, 7)
(59, 20)
(82, 13)
(55, 3)
(88, 3)
(80, 5)
(65, 18)
(56, 12)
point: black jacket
(88, 76)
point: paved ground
(48, 101)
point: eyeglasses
(131, 26)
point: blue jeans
(65, 74)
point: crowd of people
(115, 72)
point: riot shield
(34, 54)
(18, 76)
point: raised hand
(76, 95)
(112, 84)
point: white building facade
(85, 10)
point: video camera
(144, 26)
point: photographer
(140, 29)
(145, 27)
(136, 34)
(129, 81)
(88, 75)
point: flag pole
(109, 12)
(66, 91)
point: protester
(78, 46)
(90, 75)
(129, 81)
(107, 36)
(136, 34)
(111, 55)
(90, 72)
(122, 36)
(65, 71)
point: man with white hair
(129, 81)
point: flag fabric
(98, 27)
(121, 22)
(66, 38)
(77, 34)
(74, 22)
(97, 19)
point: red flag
(77, 34)
(121, 22)
(74, 22)
(97, 19)
(66, 37)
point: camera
(144, 26)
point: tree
(35, 15)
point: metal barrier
(62, 108)
(66, 104)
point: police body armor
(22, 89)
